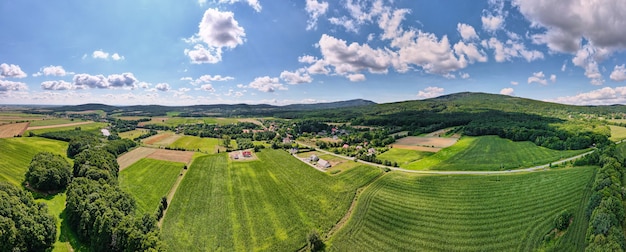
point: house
(371, 151)
(359, 147)
(286, 140)
(105, 132)
(246, 154)
(345, 146)
(323, 163)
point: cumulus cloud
(471, 51)
(11, 71)
(297, 77)
(430, 92)
(162, 87)
(100, 54)
(252, 3)
(356, 77)
(587, 58)
(390, 23)
(266, 84)
(511, 49)
(207, 87)
(307, 59)
(217, 30)
(207, 79)
(315, 9)
(57, 85)
(619, 73)
(428, 52)
(234, 93)
(464, 75)
(514, 83)
(467, 31)
(492, 23)
(52, 71)
(84, 81)
(122, 80)
(538, 77)
(354, 57)
(6, 86)
(507, 91)
(553, 78)
(603, 96)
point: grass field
(617, 133)
(403, 156)
(96, 126)
(16, 153)
(133, 133)
(409, 212)
(148, 180)
(175, 121)
(200, 144)
(270, 204)
(489, 153)
(49, 122)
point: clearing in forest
(16, 154)
(13, 129)
(411, 212)
(617, 133)
(271, 204)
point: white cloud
(507, 91)
(207, 79)
(391, 23)
(619, 73)
(207, 87)
(315, 9)
(564, 66)
(352, 58)
(297, 77)
(266, 84)
(492, 23)
(603, 96)
(346, 22)
(587, 58)
(252, 3)
(11, 71)
(428, 52)
(122, 80)
(471, 51)
(57, 85)
(465, 75)
(467, 32)
(449, 76)
(52, 71)
(430, 92)
(100, 54)
(514, 83)
(356, 77)
(6, 86)
(234, 93)
(307, 59)
(553, 78)
(117, 57)
(217, 30)
(163, 87)
(509, 50)
(83, 81)
(538, 77)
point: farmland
(50, 122)
(403, 156)
(17, 152)
(148, 180)
(133, 133)
(489, 153)
(194, 143)
(175, 121)
(270, 204)
(617, 133)
(13, 129)
(404, 212)
(93, 126)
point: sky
(121, 52)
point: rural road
(530, 169)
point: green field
(133, 133)
(489, 153)
(48, 122)
(403, 156)
(96, 126)
(270, 204)
(408, 212)
(617, 133)
(16, 153)
(194, 143)
(148, 180)
(175, 121)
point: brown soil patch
(13, 129)
(417, 148)
(133, 156)
(330, 140)
(59, 125)
(172, 155)
(164, 139)
(436, 142)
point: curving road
(530, 169)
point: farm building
(246, 154)
(105, 132)
(323, 163)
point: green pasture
(48, 122)
(489, 153)
(16, 154)
(403, 156)
(133, 133)
(175, 121)
(96, 126)
(201, 144)
(410, 212)
(617, 133)
(270, 204)
(148, 180)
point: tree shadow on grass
(68, 235)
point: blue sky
(303, 51)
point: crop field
(175, 121)
(617, 133)
(164, 138)
(13, 129)
(12, 117)
(403, 156)
(490, 153)
(16, 153)
(84, 126)
(194, 143)
(270, 204)
(148, 180)
(50, 122)
(435, 142)
(184, 157)
(410, 212)
(133, 133)
(129, 158)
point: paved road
(531, 169)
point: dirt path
(59, 125)
(172, 192)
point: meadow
(617, 133)
(403, 156)
(175, 121)
(194, 143)
(410, 212)
(96, 126)
(50, 122)
(133, 133)
(270, 204)
(17, 152)
(148, 180)
(489, 153)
